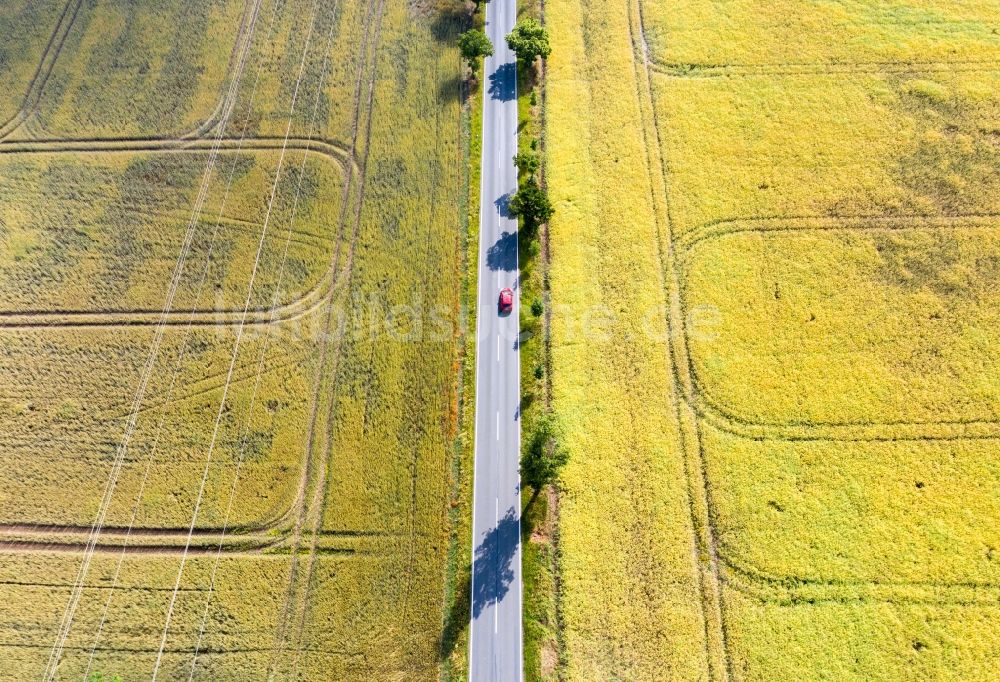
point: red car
(506, 303)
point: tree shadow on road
(492, 575)
(503, 205)
(503, 254)
(493, 571)
(503, 82)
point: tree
(526, 162)
(531, 203)
(474, 45)
(545, 456)
(529, 40)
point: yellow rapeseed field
(630, 595)
(815, 187)
(230, 269)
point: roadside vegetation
(474, 45)
(543, 453)
(454, 642)
(773, 250)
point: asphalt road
(495, 642)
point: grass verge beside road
(541, 649)
(455, 633)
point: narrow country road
(495, 632)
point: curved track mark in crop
(687, 243)
(303, 304)
(44, 68)
(868, 430)
(787, 590)
(225, 100)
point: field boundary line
(700, 501)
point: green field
(787, 216)
(230, 265)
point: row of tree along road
(544, 455)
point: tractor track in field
(133, 548)
(691, 70)
(300, 237)
(228, 651)
(265, 529)
(42, 72)
(415, 456)
(856, 433)
(705, 552)
(54, 48)
(296, 602)
(303, 304)
(716, 229)
(234, 540)
(333, 149)
(765, 587)
(227, 101)
(713, 410)
(108, 413)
